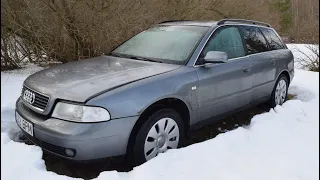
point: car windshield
(169, 44)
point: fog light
(69, 152)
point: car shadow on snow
(93, 169)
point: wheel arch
(169, 102)
(286, 73)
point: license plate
(25, 125)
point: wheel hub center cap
(160, 141)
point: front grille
(40, 101)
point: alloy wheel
(163, 135)
(281, 92)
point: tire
(148, 130)
(274, 99)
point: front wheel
(280, 91)
(160, 132)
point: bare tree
(306, 21)
(66, 30)
(309, 59)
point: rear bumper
(291, 74)
(88, 141)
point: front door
(225, 86)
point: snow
(300, 51)
(282, 144)
(20, 161)
(11, 83)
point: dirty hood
(80, 80)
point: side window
(254, 40)
(273, 40)
(227, 40)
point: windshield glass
(171, 44)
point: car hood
(83, 79)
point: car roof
(190, 23)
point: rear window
(273, 40)
(254, 40)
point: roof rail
(173, 21)
(223, 21)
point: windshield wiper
(133, 57)
(144, 59)
(115, 55)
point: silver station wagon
(143, 97)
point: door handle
(246, 69)
(273, 61)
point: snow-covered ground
(282, 144)
(11, 83)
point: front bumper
(89, 141)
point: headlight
(80, 113)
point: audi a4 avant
(143, 97)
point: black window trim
(277, 35)
(236, 25)
(258, 28)
(264, 37)
(243, 41)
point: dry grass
(291, 96)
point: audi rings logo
(29, 96)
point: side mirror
(216, 57)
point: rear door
(264, 63)
(225, 86)
(278, 51)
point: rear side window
(227, 40)
(254, 40)
(273, 40)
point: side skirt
(216, 119)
